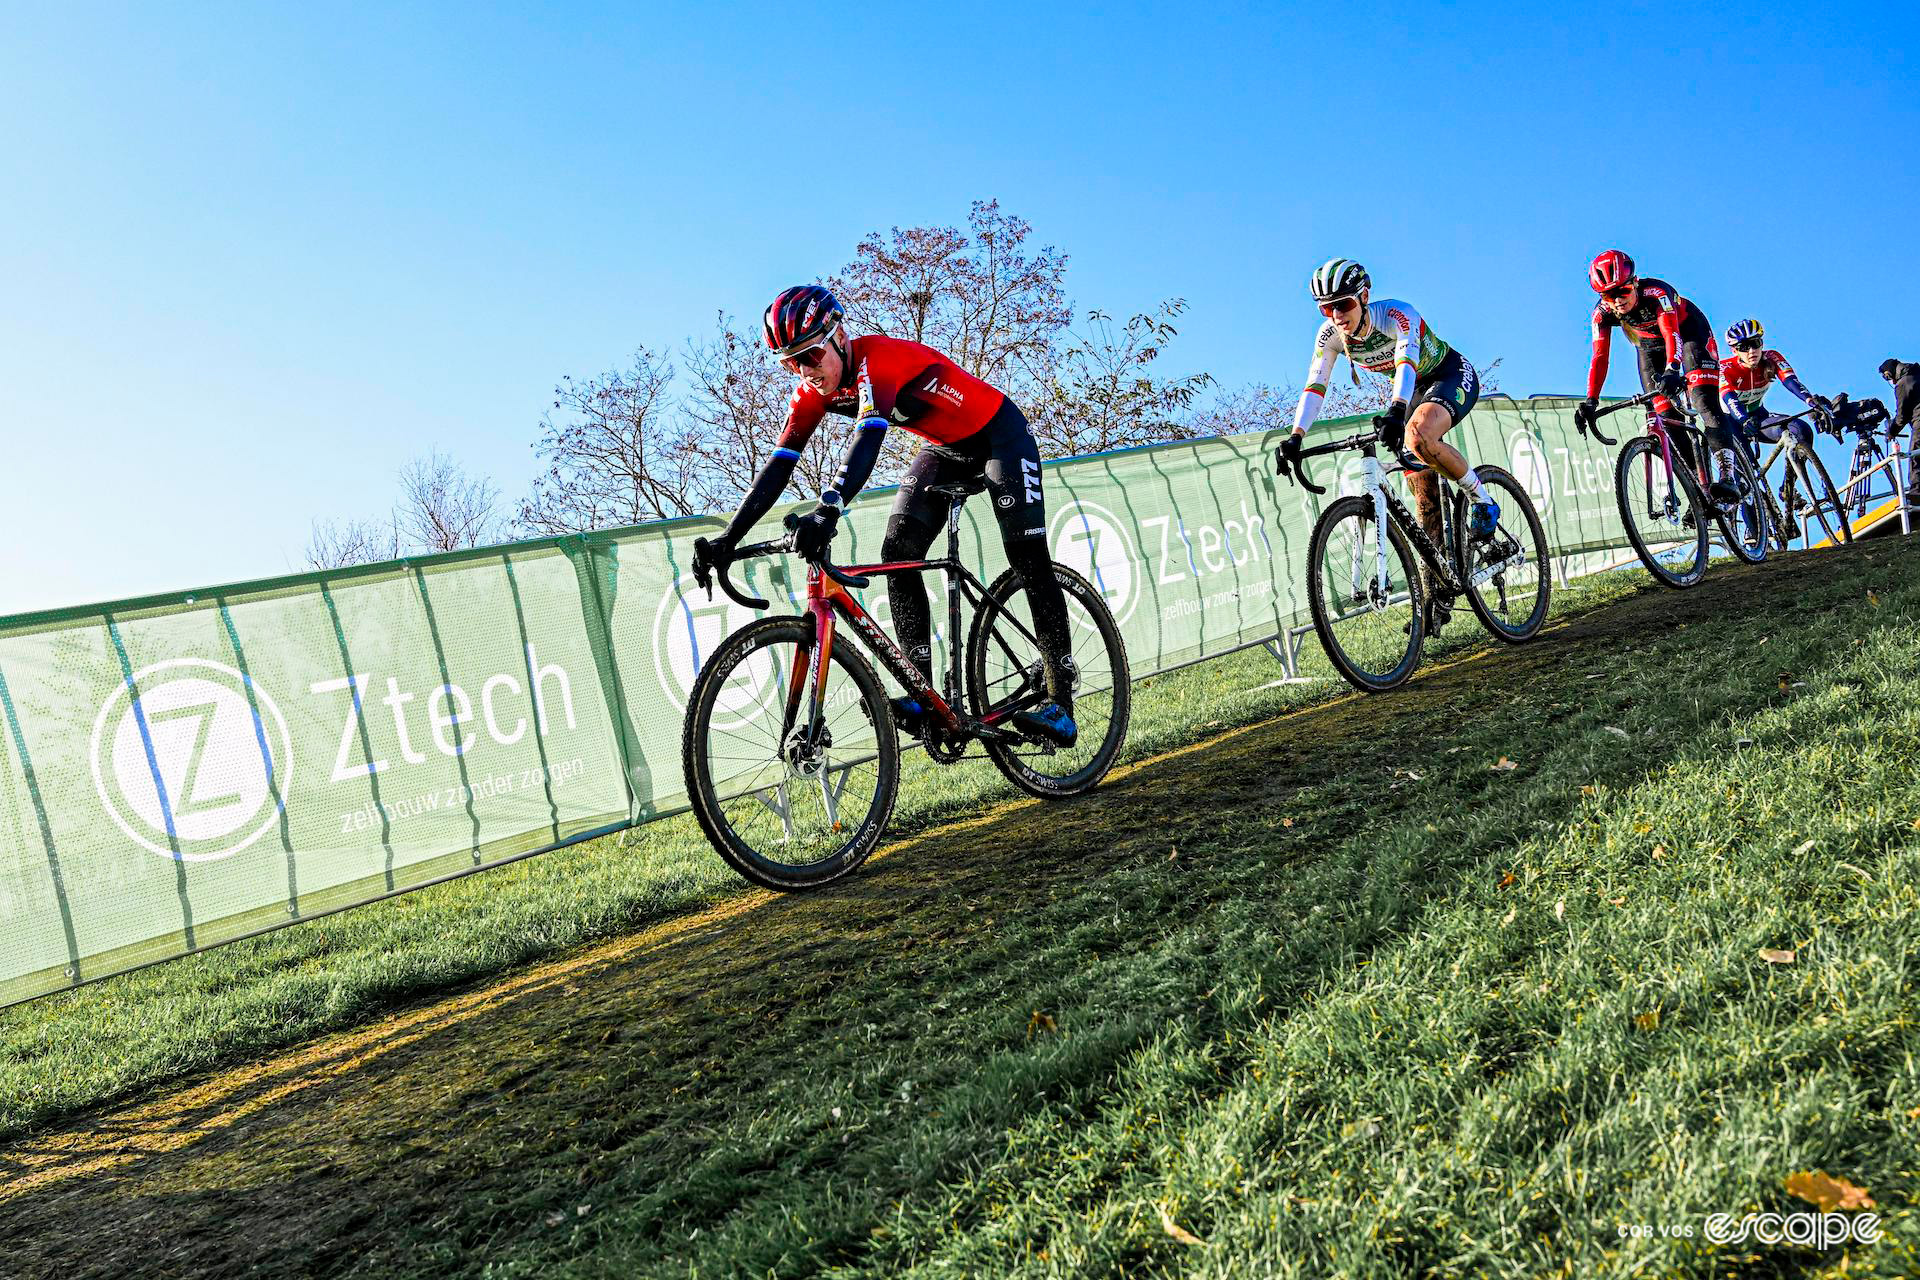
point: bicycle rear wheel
(1505, 576)
(787, 809)
(1664, 513)
(1366, 596)
(1004, 675)
(1829, 510)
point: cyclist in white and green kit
(1433, 387)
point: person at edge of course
(1904, 377)
(1433, 389)
(1744, 378)
(1677, 350)
(971, 429)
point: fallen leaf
(1174, 1229)
(1503, 763)
(1589, 791)
(1286, 822)
(1560, 909)
(1511, 913)
(1873, 599)
(1773, 955)
(1506, 880)
(1618, 902)
(555, 1218)
(1647, 1021)
(1786, 680)
(1641, 828)
(1659, 851)
(1173, 854)
(1617, 732)
(583, 1210)
(1038, 1023)
(1830, 1193)
(1803, 848)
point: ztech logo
(188, 768)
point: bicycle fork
(1377, 593)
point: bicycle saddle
(957, 489)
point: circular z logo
(195, 767)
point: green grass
(1338, 993)
(133, 1032)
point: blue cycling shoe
(1049, 722)
(1483, 520)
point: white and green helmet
(1339, 278)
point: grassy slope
(1336, 992)
(116, 1038)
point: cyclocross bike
(1369, 603)
(1665, 507)
(791, 755)
(1805, 487)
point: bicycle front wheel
(1004, 675)
(1364, 589)
(1505, 576)
(1824, 503)
(789, 805)
(1746, 524)
(1664, 512)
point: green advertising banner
(179, 772)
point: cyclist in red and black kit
(1677, 351)
(971, 429)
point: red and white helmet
(1610, 270)
(800, 317)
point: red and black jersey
(902, 384)
(1658, 317)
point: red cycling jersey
(900, 383)
(1657, 316)
(1749, 385)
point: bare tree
(335, 544)
(1257, 406)
(618, 453)
(979, 295)
(737, 407)
(1102, 392)
(442, 508)
(1262, 407)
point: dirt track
(344, 1154)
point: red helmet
(800, 317)
(1610, 270)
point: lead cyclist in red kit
(971, 429)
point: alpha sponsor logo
(1090, 540)
(187, 769)
(1532, 468)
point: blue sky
(257, 258)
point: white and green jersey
(1395, 343)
